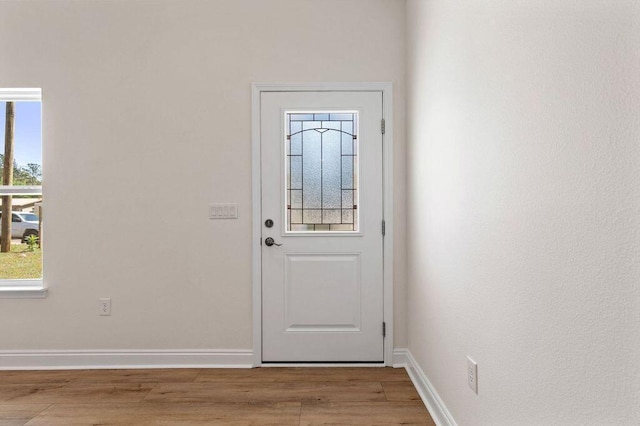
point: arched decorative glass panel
(321, 162)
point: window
(321, 161)
(21, 193)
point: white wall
(524, 207)
(146, 121)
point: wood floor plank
(266, 392)
(363, 413)
(400, 391)
(174, 375)
(269, 414)
(24, 394)
(70, 393)
(154, 375)
(321, 374)
(36, 377)
(14, 422)
(87, 414)
(19, 414)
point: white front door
(322, 212)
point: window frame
(28, 288)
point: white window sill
(22, 289)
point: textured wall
(524, 208)
(147, 120)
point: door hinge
(382, 126)
(384, 227)
(384, 329)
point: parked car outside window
(23, 225)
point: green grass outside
(21, 263)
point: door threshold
(322, 364)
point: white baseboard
(431, 399)
(104, 359)
(400, 358)
(321, 365)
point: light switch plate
(223, 211)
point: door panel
(321, 161)
(322, 292)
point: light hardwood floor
(260, 396)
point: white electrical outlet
(104, 308)
(472, 374)
(223, 211)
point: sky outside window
(27, 132)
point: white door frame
(387, 193)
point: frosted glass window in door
(321, 162)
